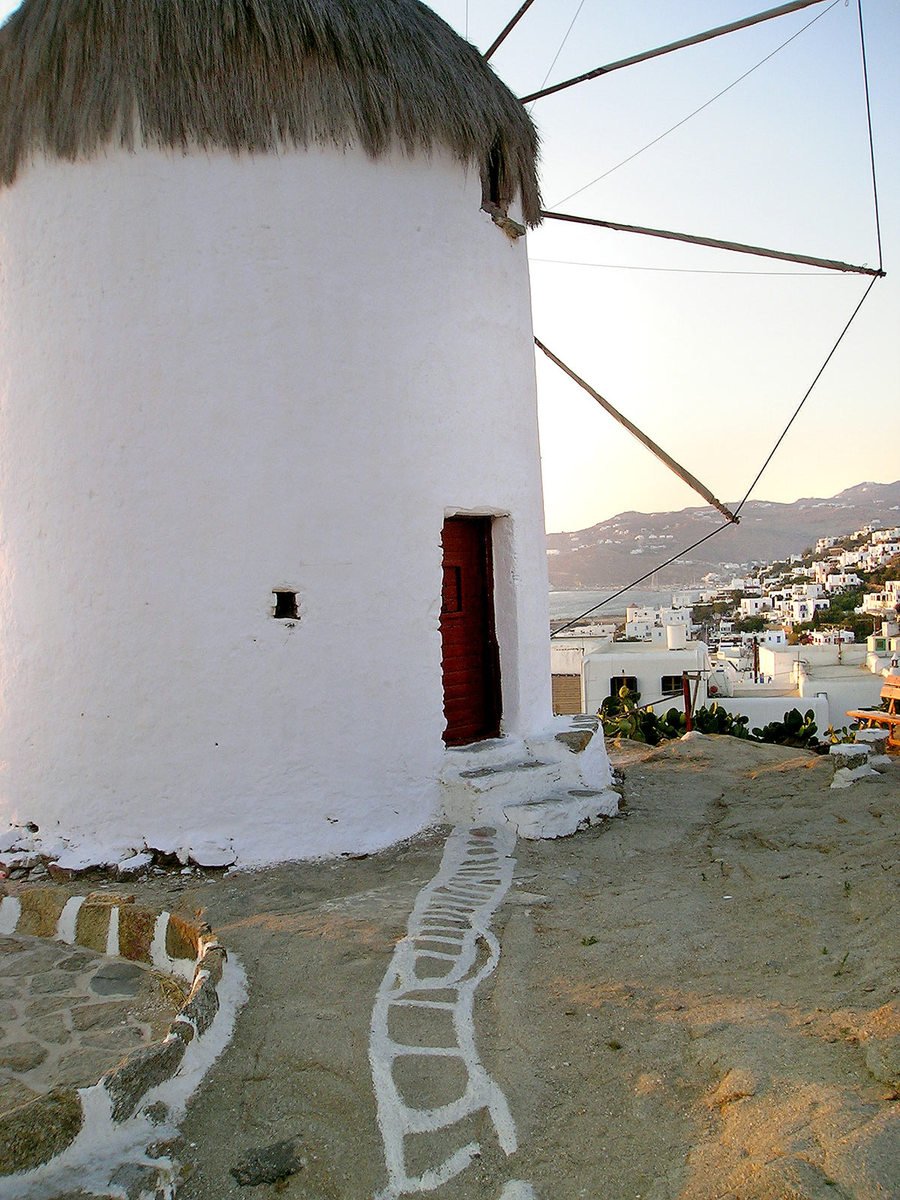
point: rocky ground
(697, 1000)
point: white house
(827, 678)
(832, 637)
(268, 375)
(842, 579)
(649, 623)
(804, 610)
(652, 670)
(883, 602)
(754, 606)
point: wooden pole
(831, 264)
(706, 36)
(670, 462)
(688, 709)
(508, 28)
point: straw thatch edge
(255, 76)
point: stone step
(484, 779)
(566, 759)
(476, 794)
(561, 814)
(875, 739)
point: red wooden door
(471, 663)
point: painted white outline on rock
(449, 927)
(102, 1144)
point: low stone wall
(34, 1133)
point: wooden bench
(890, 719)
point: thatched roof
(253, 75)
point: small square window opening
(285, 605)
(620, 681)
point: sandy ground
(698, 1000)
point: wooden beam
(508, 28)
(670, 462)
(782, 11)
(830, 264)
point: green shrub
(793, 730)
(622, 716)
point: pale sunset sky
(709, 352)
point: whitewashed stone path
(423, 1028)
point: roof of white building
(75, 78)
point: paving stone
(29, 962)
(22, 1056)
(83, 1068)
(78, 961)
(117, 979)
(47, 1004)
(33, 1133)
(50, 981)
(117, 1041)
(49, 1027)
(108, 1013)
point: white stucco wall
(220, 376)
(762, 709)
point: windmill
(273, 548)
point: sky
(708, 352)
(710, 365)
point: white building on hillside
(832, 637)
(885, 602)
(649, 624)
(754, 606)
(800, 611)
(840, 580)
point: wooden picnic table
(888, 718)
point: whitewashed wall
(222, 376)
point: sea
(565, 606)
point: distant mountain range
(617, 551)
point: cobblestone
(68, 1015)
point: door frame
(493, 676)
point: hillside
(618, 550)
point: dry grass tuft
(253, 76)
